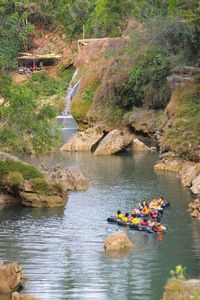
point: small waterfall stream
(66, 117)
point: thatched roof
(28, 56)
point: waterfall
(67, 120)
(70, 93)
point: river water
(61, 250)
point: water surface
(61, 250)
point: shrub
(15, 178)
(27, 171)
(147, 84)
(41, 185)
(178, 273)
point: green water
(61, 250)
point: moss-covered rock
(25, 184)
(182, 290)
(27, 171)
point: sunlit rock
(114, 142)
(11, 278)
(182, 290)
(83, 141)
(117, 243)
(41, 200)
(70, 178)
(17, 296)
(196, 185)
(188, 174)
(140, 146)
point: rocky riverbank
(182, 290)
(189, 173)
(23, 184)
(102, 142)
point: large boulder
(114, 142)
(168, 163)
(182, 290)
(188, 174)
(41, 200)
(140, 146)
(142, 120)
(21, 183)
(196, 185)
(11, 278)
(83, 141)
(117, 242)
(71, 179)
(17, 296)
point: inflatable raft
(132, 226)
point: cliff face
(174, 128)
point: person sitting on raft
(125, 218)
(144, 222)
(158, 227)
(150, 223)
(154, 213)
(135, 220)
(155, 203)
(119, 215)
(144, 207)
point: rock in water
(117, 242)
(114, 142)
(196, 186)
(182, 290)
(11, 278)
(17, 296)
(71, 179)
(83, 141)
(140, 146)
(194, 209)
(40, 200)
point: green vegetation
(178, 273)
(179, 288)
(24, 124)
(147, 82)
(182, 135)
(41, 185)
(15, 178)
(27, 171)
(132, 75)
(26, 119)
(84, 99)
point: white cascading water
(68, 121)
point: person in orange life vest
(158, 227)
(144, 222)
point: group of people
(151, 214)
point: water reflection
(61, 250)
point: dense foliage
(146, 84)
(26, 122)
(170, 38)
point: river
(61, 250)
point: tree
(109, 17)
